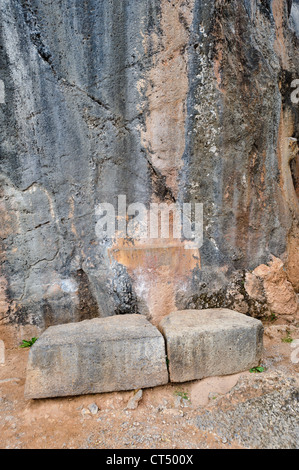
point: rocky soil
(247, 410)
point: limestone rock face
(94, 356)
(212, 342)
(161, 102)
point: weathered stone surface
(2, 352)
(212, 342)
(280, 294)
(94, 356)
(93, 408)
(185, 101)
(134, 400)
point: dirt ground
(167, 417)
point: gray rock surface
(205, 343)
(94, 356)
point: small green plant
(183, 395)
(287, 338)
(257, 369)
(273, 317)
(27, 344)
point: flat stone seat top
(208, 319)
(115, 328)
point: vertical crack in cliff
(162, 191)
(35, 33)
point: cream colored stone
(212, 342)
(122, 352)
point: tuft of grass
(27, 343)
(273, 317)
(287, 338)
(257, 369)
(183, 395)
